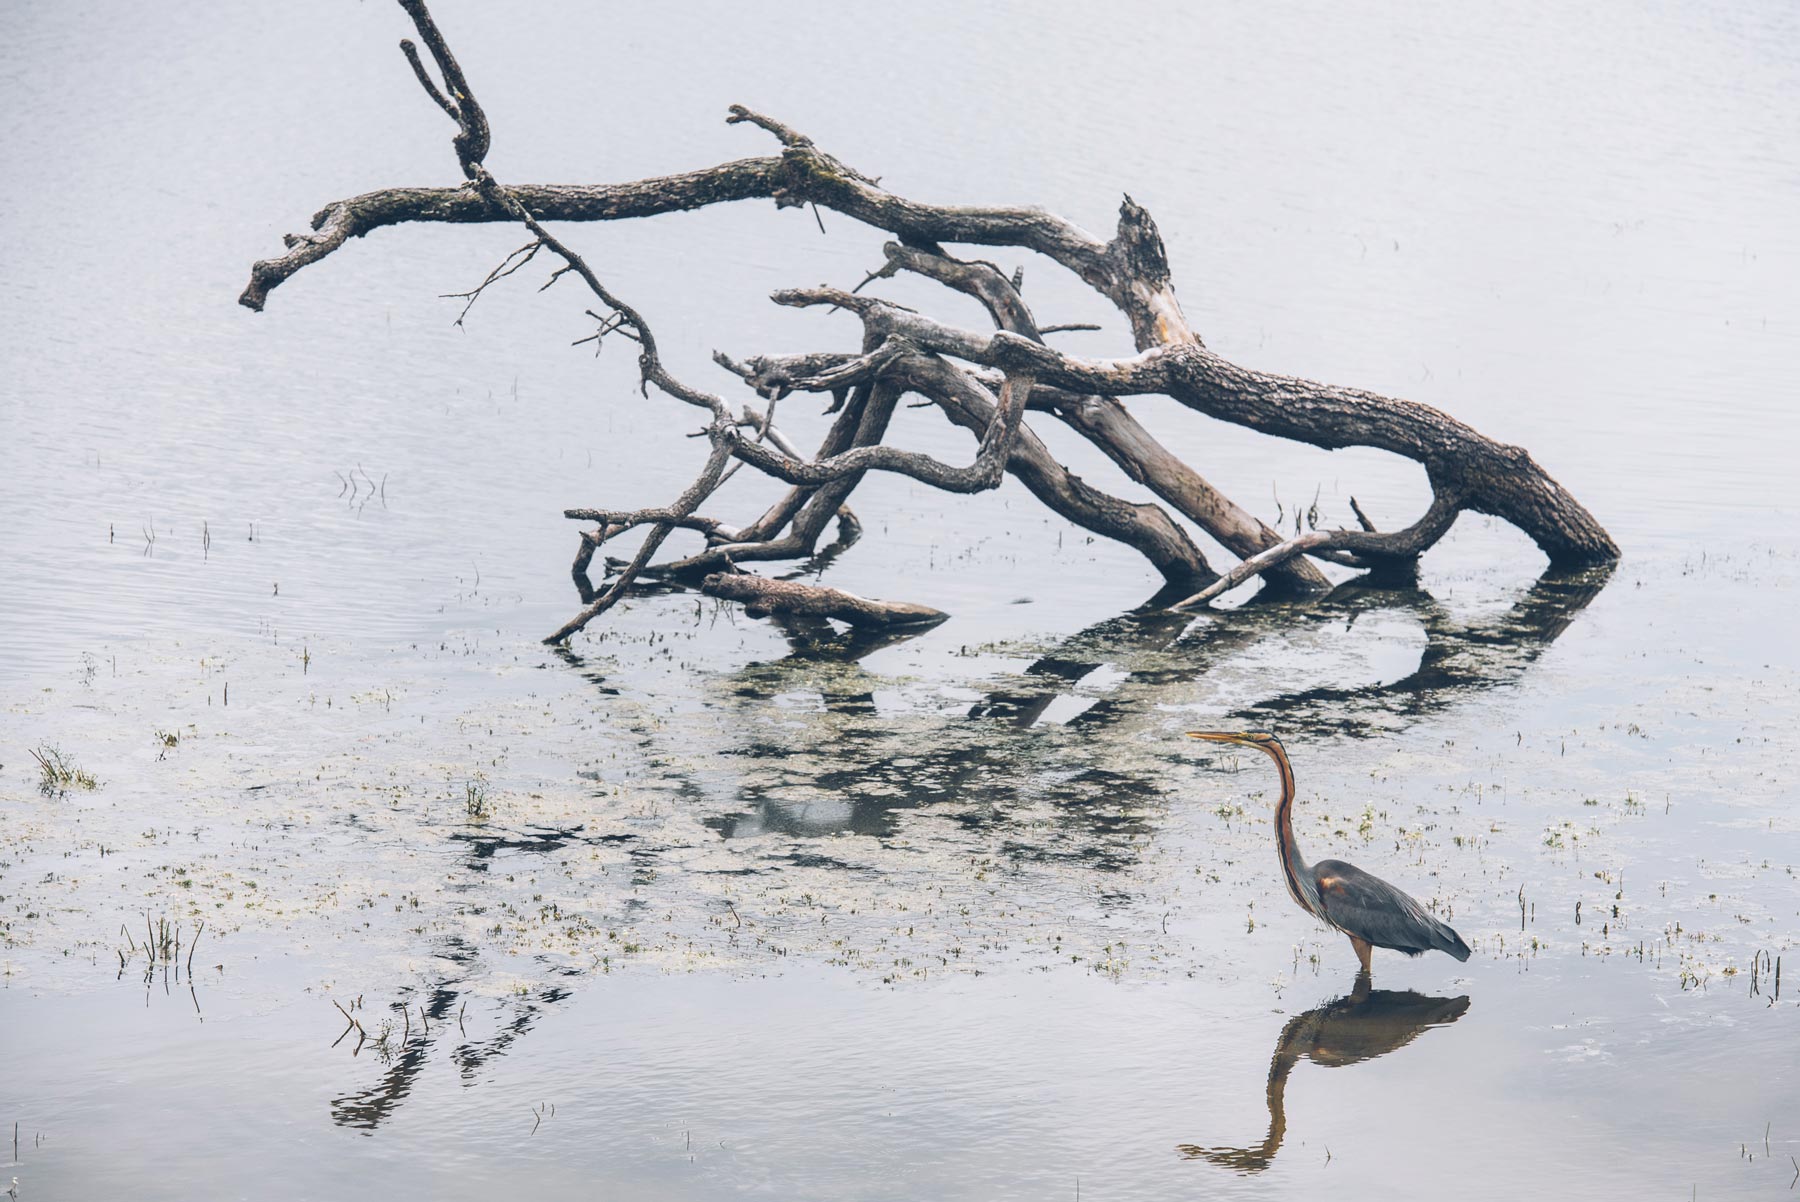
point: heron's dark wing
(1362, 904)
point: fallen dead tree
(761, 596)
(984, 381)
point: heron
(1370, 911)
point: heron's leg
(1362, 951)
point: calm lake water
(707, 908)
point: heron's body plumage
(1362, 904)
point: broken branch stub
(985, 382)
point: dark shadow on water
(1461, 655)
(405, 1038)
(852, 767)
(1360, 1026)
(879, 767)
(434, 1022)
(813, 637)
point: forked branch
(1399, 546)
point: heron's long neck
(1293, 865)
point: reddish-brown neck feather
(1291, 863)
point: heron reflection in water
(1361, 1026)
(1370, 911)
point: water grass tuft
(58, 772)
(475, 798)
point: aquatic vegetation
(58, 772)
(475, 798)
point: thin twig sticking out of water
(367, 489)
(361, 1035)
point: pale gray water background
(963, 917)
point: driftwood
(761, 596)
(986, 382)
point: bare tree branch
(970, 404)
(864, 423)
(982, 474)
(614, 522)
(690, 500)
(1107, 424)
(512, 263)
(471, 141)
(1491, 477)
(1407, 544)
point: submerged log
(762, 596)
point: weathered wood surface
(986, 382)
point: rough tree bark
(984, 382)
(763, 596)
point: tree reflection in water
(872, 771)
(1461, 654)
(853, 766)
(1360, 1026)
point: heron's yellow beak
(1219, 736)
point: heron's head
(1244, 738)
